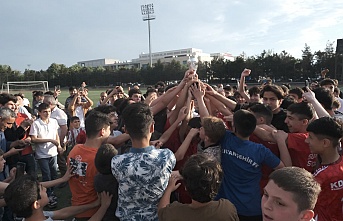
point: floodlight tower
(148, 14)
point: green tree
(307, 63)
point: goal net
(20, 86)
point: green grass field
(93, 94)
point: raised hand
(183, 113)
(246, 72)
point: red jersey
(330, 201)
(28, 148)
(300, 151)
(266, 171)
(173, 144)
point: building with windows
(181, 55)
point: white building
(97, 62)
(181, 55)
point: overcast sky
(40, 32)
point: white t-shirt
(45, 131)
(26, 102)
(60, 116)
(116, 133)
(23, 110)
(81, 115)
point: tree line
(278, 66)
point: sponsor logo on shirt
(337, 185)
(241, 157)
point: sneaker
(52, 202)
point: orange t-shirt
(81, 159)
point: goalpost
(25, 85)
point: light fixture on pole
(148, 14)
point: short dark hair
(287, 101)
(150, 90)
(94, 122)
(125, 102)
(244, 122)
(103, 158)
(300, 183)
(19, 95)
(324, 97)
(202, 176)
(262, 110)
(327, 127)
(106, 109)
(133, 91)
(170, 86)
(227, 88)
(254, 91)
(43, 106)
(237, 95)
(21, 194)
(327, 81)
(137, 120)
(73, 118)
(72, 88)
(5, 98)
(303, 110)
(49, 93)
(38, 93)
(160, 90)
(298, 91)
(160, 83)
(275, 89)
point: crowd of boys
(189, 151)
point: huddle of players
(290, 194)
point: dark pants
(29, 160)
(48, 167)
(62, 163)
(31, 166)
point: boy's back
(81, 158)
(241, 162)
(143, 175)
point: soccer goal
(16, 86)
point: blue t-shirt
(241, 162)
(143, 175)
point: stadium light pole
(148, 14)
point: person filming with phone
(79, 108)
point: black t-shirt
(278, 121)
(107, 182)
